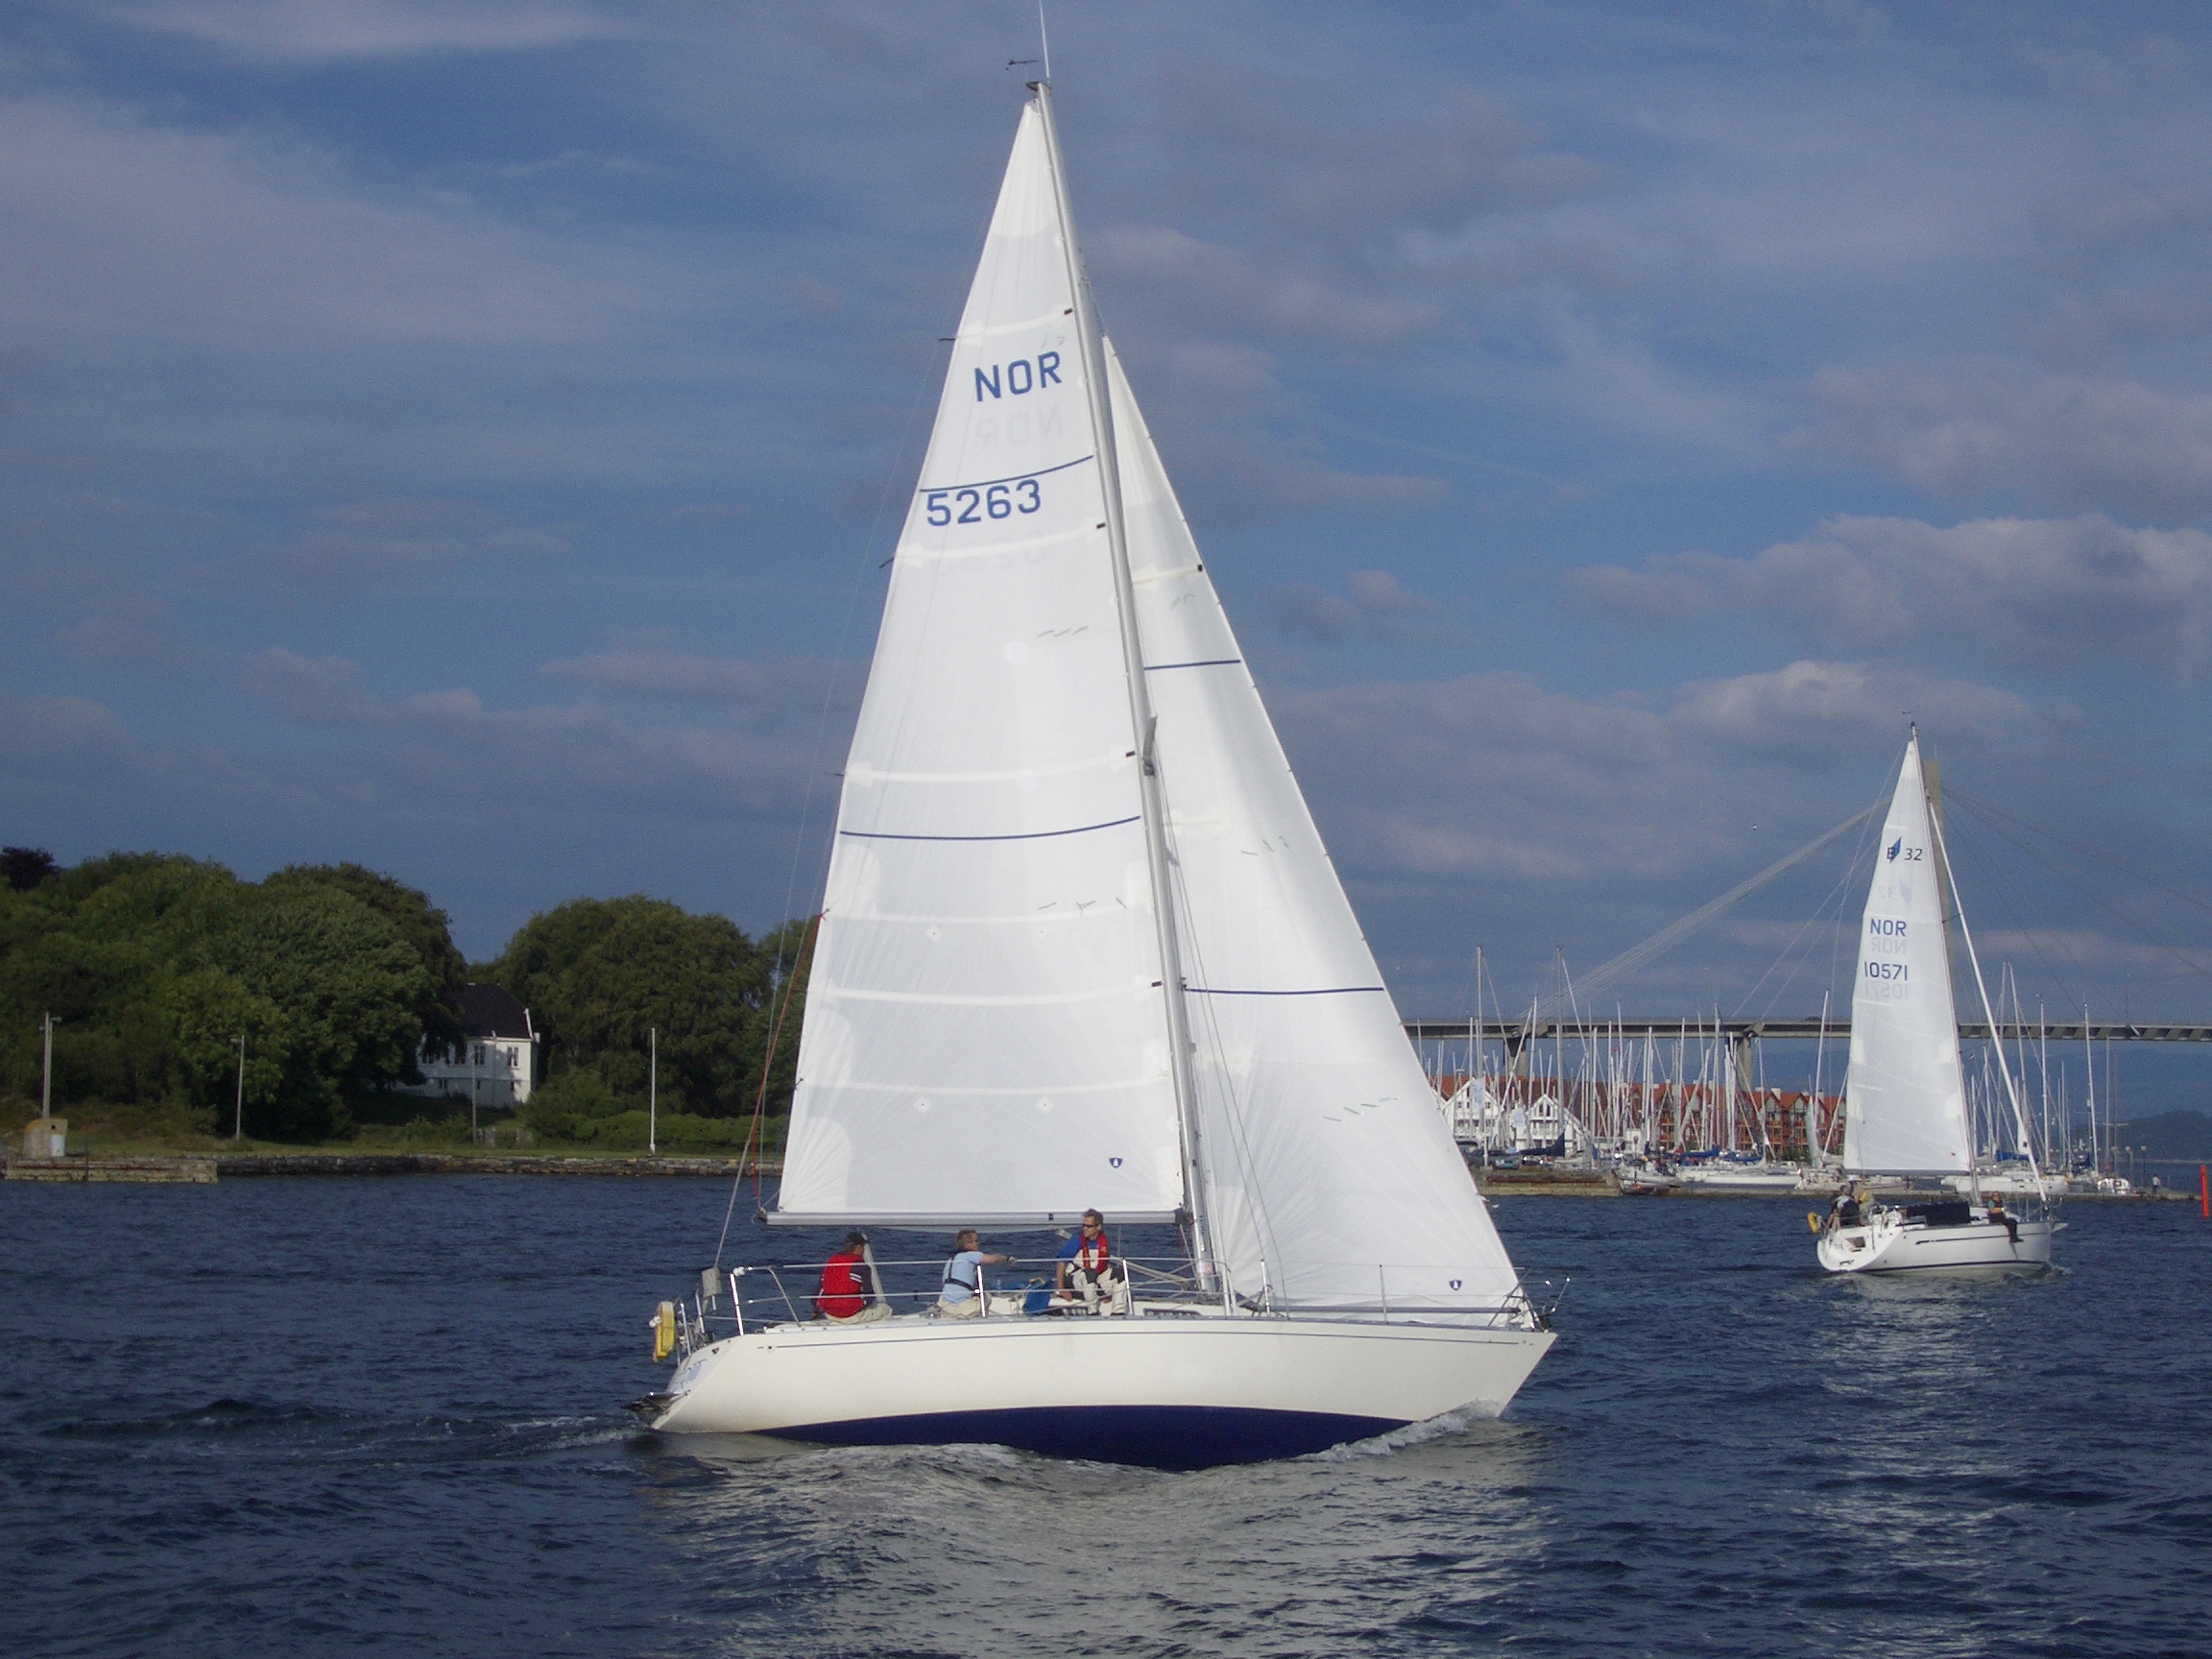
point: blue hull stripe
(1155, 1436)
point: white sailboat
(1905, 1091)
(1082, 945)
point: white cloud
(2041, 595)
(1493, 776)
(383, 545)
(322, 31)
(499, 812)
(54, 739)
(2062, 441)
(318, 691)
(783, 692)
(585, 758)
(1373, 607)
(125, 230)
(140, 631)
(1330, 171)
(1196, 286)
(1220, 413)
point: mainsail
(985, 1038)
(987, 1028)
(1905, 1097)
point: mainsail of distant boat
(1904, 1093)
(1081, 945)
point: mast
(1479, 1094)
(1815, 1142)
(2089, 1062)
(1142, 719)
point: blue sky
(455, 437)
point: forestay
(1331, 1178)
(1905, 1098)
(984, 1037)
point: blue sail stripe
(1010, 478)
(1030, 835)
(1324, 991)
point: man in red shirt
(844, 1298)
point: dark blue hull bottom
(1154, 1436)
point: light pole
(653, 1089)
(238, 1107)
(46, 1089)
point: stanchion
(2203, 1193)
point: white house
(497, 1066)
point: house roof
(492, 1011)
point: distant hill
(2169, 1135)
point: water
(303, 1417)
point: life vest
(843, 1294)
(1092, 1254)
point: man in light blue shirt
(960, 1296)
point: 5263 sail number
(971, 504)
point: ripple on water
(386, 1413)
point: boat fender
(664, 1332)
(1813, 1219)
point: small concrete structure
(46, 1138)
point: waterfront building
(497, 1064)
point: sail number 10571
(971, 504)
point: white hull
(1736, 1178)
(1174, 1391)
(1892, 1243)
(2008, 1182)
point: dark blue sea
(304, 1417)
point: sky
(465, 439)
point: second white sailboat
(1904, 1093)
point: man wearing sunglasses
(1087, 1263)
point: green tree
(349, 987)
(600, 974)
(26, 867)
(94, 946)
(207, 1011)
(154, 964)
(424, 928)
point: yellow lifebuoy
(664, 1331)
